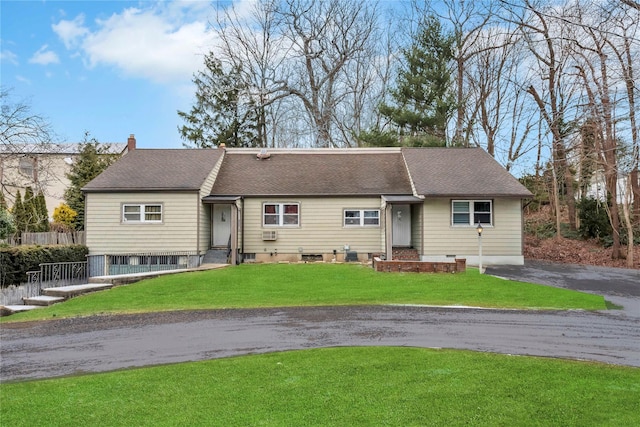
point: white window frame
(280, 214)
(144, 213)
(471, 212)
(361, 218)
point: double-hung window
(151, 213)
(281, 214)
(361, 217)
(471, 212)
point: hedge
(15, 261)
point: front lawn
(279, 285)
(337, 387)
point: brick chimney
(131, 143)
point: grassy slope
(338, 387)
(273, 285)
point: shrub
(7, 225)
(594, 221)
(15, 261)
(63, 214)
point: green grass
(279, 285)
(337, 387)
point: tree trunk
(628, 224)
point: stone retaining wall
(457, 266)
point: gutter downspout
(241, 212)
(198, 204)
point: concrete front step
(43, 300)
(74, 290)
(8, 310)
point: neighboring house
(43, 167)
(307, 204)
(598, 189)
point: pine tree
(91, 162)
(30, 211)
(424, 100)
(3, 202)
(43, 214)
(18, 213)
(223, 112)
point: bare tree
(22, 135)
(624, 44)
(252, 42)
(542, 30)
(602, 52)
(328, 38)
(469, 22)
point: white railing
(142, 262)
(50, 275)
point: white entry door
(401, 220)
(221, 225)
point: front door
(401, 220)
(221, 225)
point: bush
(15, 261)
(7, 224)
(594, 221)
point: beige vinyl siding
(416, 227)
(106, 234)
(503, 239)
(321, 228)
(205, 209)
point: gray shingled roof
(460, 172)
(149, 170)
(322, 172)
(436, 172)
(70, 148)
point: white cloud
(164, 42)
(71, 32)
(8, 56)
(23, 79)
(44, 56)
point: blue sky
(108, 67)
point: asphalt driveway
(33, 350)
(599, 280)
(619, 286)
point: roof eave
(139, 190)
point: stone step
(42, 300)
(405, 254)
(8, 310)
(74, 290)
(215, 256)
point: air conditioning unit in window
(270, 235)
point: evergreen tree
(91, 162)
(43, 214)
(30, 211)
(424, 99)
(3, 202)
(18, 213)
(7, 224)
(223, 112)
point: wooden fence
(50, 238)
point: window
(471, 212)
(142, 213)
(361, 218)
(281, 214)
(27, 167)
